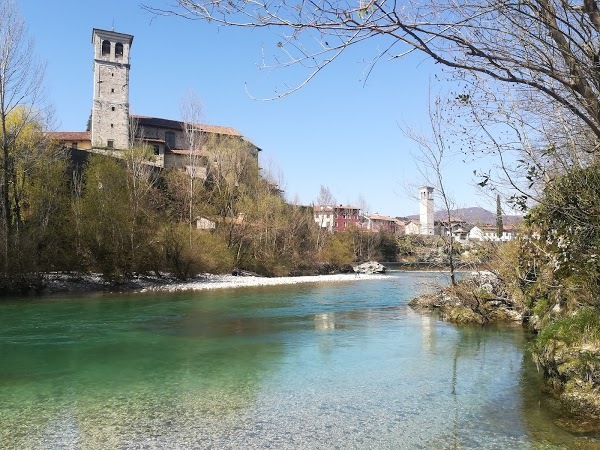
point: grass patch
(581, 328)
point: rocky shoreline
(481, 298)
(208, 281)
(55, 283)
(64, 283)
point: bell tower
(426, 210)
(110, 110)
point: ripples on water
(312, 366)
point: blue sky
(337, 131)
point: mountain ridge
(474, 215)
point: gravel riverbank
(57, 283)
(229, 281)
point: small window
(110, 143)
(112, 125)
(105, 48)
(74, 145)
(113, 108)
(119, 50)
(112, 91)
(157, 150)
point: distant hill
(475, 215)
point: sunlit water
(347, 366)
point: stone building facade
(171, 146)
(110, 110)
(112, 128)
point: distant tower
(110, 111)
(426, 209)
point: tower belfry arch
(110, 109)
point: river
(324, 365)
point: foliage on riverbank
(120, 216)
(568, 352)
(550, 276)
(479, 298)
(557, 271)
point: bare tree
(21, 101)
(530, 141)
(547, 47)
(366, 236)
(141, 180)
(325, 200)
(433, 156)
(191, 112)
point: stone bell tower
(426, 210)
(110, 111)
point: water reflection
(325, 322)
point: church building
(113, 128)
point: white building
(490, 233)
(426, 210)
(324, 217)
(412, 227)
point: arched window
(119, 50)
(105, 48)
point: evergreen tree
(499, 224)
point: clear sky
(337, 131)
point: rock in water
(370, 267)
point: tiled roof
(379, 217)
(178, 125)
(69, 135)
(346, 207)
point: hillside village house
(412, 227)
(324, 216)
(489, 232)
(337, 218)
(341, 218)
(112, 125)
(382, 224)
(463, 232)
(457, 228)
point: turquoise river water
(315, 366)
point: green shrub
(189, 251)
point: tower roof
(112, 36)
